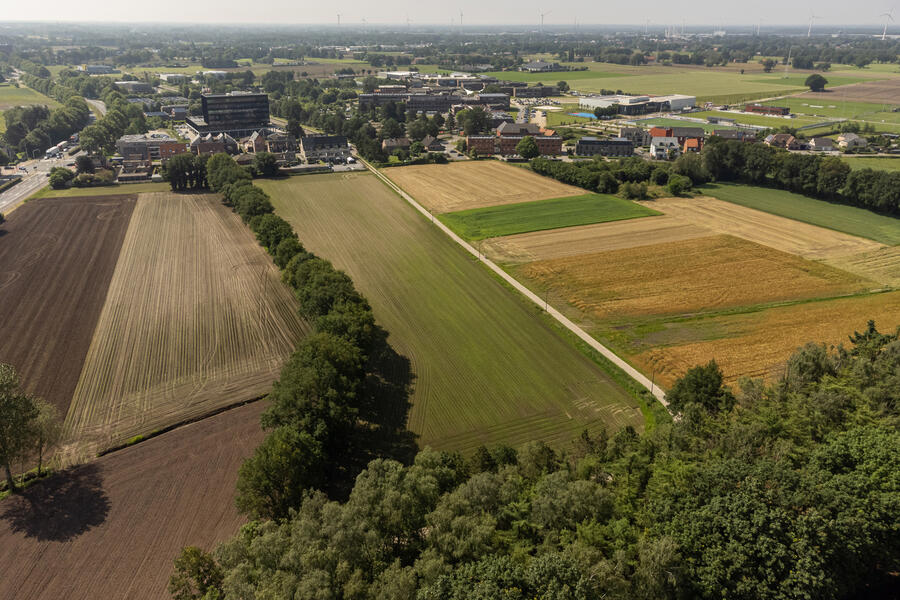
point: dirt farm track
(57, 257)
(111, 529)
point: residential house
(214, 144)
(391, 145)
(324, 148)
(742, 135)
(662, 147)
(849, 141)
(783, 140)
(637, 135)
(432, 144)
(692, 145)
(821, 144)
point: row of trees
(33, 129)
(331, 394)
(28, 426)
(779, 491)
(121, 118)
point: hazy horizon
(769, 13)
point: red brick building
(170, 149)
(482, 144)
(762, 109)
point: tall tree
(17, 418)
(47, 430)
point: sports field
(760, 120)
(474, 184)
(839, 217)
(553, 213)
(667, 122)
(195, 318)
(687, 276)
(488, 366)
(21, 96)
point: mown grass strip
(555, 213)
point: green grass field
(509, 219)
(22, 96)
(664, 122)
(762, 121)
(838, 108)
(106, 190)
(884, 163)
(489, 367)
(555, 118)
(848, 219)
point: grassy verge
(495, 221)
(105, 190)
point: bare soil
(57, 257)
(111, 529)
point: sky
(475, 12)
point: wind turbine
(407, 22)
(890, 18)
(812, 17)
(543, 14)
(460, 20)
(339, 19)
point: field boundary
(654, 389)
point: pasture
(57, 258)
(488, 367)
(881, 163)
(196, 318)
(838, 217)
(475, 184)
(21, 96)
(553, 213)
(687, 276)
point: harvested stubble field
(553, 213)
(56, 261)
(852, 220)
(573, 241)
(111, 529)
(488, 367)
(781, 232)
(885, 91)
(882, 265)
(475, 184)
(757, 344)
(688, 276)
(196, 318)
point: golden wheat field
(686, 276)
(802, 239)
(475, 184)
(196, 318)
(759, 343)
(882, 265)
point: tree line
(35, 128)
(778, 491)
(824, 177)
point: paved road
(98, 104)
(33, 181)
(568, 324)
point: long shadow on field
(382, 432)
(60, 508)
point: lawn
(556, 118)
(554, 213)
(664, 122)
(22, 96)
(762, 121)
(839, 217)
(884, 163)
(488, 366)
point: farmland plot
(57, 258)
(196, 318)
(488, 368)
(475, 184)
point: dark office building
(236, 114)
(590, 146)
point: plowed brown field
(687, 276)
(777, 232)
(759, 343)
(196, 318)
(57, 257)
(110, 529)
(877, 92)
(475, 184)
(587, 239)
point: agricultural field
(128, 514)
(475, 184)
(573, 241)
(488, 366)
(752, 343)
(196, 318)
(882, 93)
(21, 96)
(107, 190)
(553, 213)
(882, 163)
(687, 276)
(57, 258)
(838, 217)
